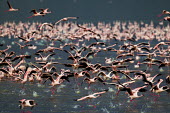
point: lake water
(62, 100)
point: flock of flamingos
(123, 58)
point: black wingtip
(75, 99)
(106, 90)
(168, 90)
(19, 101)
(142, 90)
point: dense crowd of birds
(79, 46)
(40, 53)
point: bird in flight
(35, 13)
(91, 96)
(10, 7)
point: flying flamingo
(65, 19)
(167, 18)
(157, 89)
(35, 13)
(10, 7)
(91, 96)
(45, 11)
(164, 12)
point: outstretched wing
(9, 5)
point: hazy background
(87, 10)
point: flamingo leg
(53, 90)
(117, 93)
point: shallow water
(62, 99)
(62, 102)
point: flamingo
(27, 103)
(92, 80)
(133, 93)
(65, 19)
(164, 12)
(60, 79)
(10, 7)
(22, 46)
(44, 58)
(120, 87)
(91, 96)
(157, 89)
(167, 18)
(45, 11)
(35, 13)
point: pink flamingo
(10, 7)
